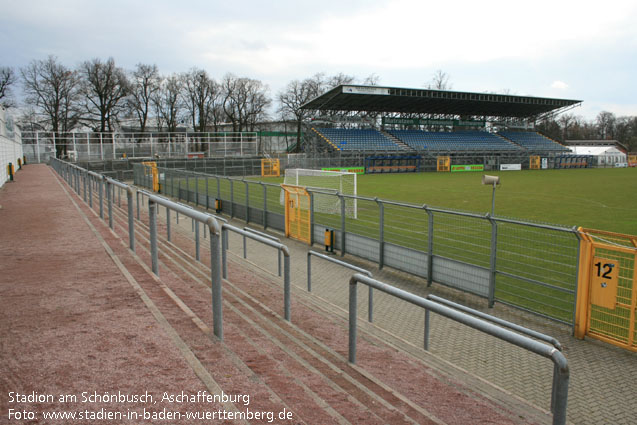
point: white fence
(10, 145)
(40, 146)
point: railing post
(152, 224)
(196, 189)
(430, 246)
(493, 258)
(559, 396)
(84, 177)
(131, 219)
(215, 277)
(137, 198)
(352, 320)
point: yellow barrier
(606, 306)
(444, 163)
(297, 213)
(150, 169)
(534, 162)
(270, 168)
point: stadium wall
(10, 145)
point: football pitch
(604, 198)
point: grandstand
(475, 126)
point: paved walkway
(603, 385)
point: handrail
(154, 200)
(370, 297)
(530, 332)
(559, 395)
(266, 241)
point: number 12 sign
(604, 278)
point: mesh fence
(526, 265)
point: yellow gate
(534, 162)
(607, 288)
(270, 168)
(444, 163)
(297, 213)
(150, 169)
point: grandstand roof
(427, 101)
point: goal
(324, 185)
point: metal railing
(561, 372)
(84, 181)
(526, 265)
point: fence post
(84, 177)
(196, 189)
(152, 224)
(247, 202)
(342, 199)
(492, 262)
(137, 198)
(90, 191)
(427, 324)
(265, 206)
(231, 198)
(131, 219)
(102, 198)
(311, 218)
(309, 272)
(109, 197)
(381, 233)
(207, 198)
(430, 246)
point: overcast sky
(581, 50)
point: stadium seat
(532, 140)
(453, 141)
(358, 140)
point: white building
(608, 153)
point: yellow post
(583, 287)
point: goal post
(325, 186)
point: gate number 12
(608, 268)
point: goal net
(324, 186)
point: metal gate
(298, 223)
(444, 163)
(534, 162)
(607, 288)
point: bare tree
(606, 124)
(439, 81)
(144, 84)
(200, 93)
(104, 87)
(7, 79)
(244, 101)
(167, 102)
(53, 91)
(296, 94)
